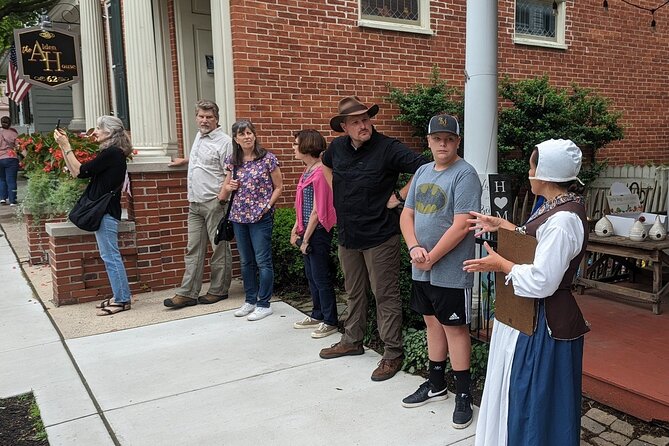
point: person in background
(255, 174)
(9, 162)
(532, 393)
(435, 229)
(206, 173)
(363, 167)
(312, 233)
(107, 173)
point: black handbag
(87, 214)
(224, 230)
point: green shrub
(536, 111)
(288, 262)
(415, 350)
(49, 195)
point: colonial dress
(532, 394)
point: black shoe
(424, 394)
(462, 415)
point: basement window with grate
(541, 23)
(397, 15)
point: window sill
(416, 29)
(522, 40)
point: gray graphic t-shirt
(435, 197)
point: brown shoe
(387, 369)
(179, 302)
(341, 349)
(210, 298)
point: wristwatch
(398, 196)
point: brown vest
(563, 316)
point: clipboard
(517, 312)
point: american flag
(17, 88)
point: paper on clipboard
(517, 312)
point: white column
(94, 66)
(224, 81)
(78, 121)
(142, 70)
(481, 91)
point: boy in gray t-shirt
(434, 226)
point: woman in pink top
(312, 233)
(9, 162)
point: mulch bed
(17, 428)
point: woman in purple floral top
(257, 179)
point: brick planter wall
(152, 242)
(38, 239)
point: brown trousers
(378, 267)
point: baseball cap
(559, 161)
(443, 123)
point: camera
(298, 242)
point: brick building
(285, 63)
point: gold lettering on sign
(39, 53)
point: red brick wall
(153, 254)
(324, 55)
(38, 239)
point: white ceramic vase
(657, 232)
(604, 227)
(638, 232)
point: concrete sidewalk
(207, 379)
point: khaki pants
(378, 267)
(203, 219)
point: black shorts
(451, 306)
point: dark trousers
(9, 168)
(317, 270)
(379, 268)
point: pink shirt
(322, 196)
(7, 142)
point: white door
(195, 56)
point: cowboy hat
(351, 106)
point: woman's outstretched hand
(484, 223)
(492, 262)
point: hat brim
(335, 123)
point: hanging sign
(47, 57)
(501, 197)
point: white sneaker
(324, 330)
(259, 313)
(12, 204)
(307, 322)
(3, 201)
(245, 309)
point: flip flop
(104, 303)
(113, 308)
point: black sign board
(501, 199)
(48, 57)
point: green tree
(533, 111)
(421, 102)
(17, 14)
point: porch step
(626, 359)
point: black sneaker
(462, 415)
(423, 395)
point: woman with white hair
(107, 173)
(532, 393)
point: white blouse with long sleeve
(559, 240)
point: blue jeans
(107, 238)
(9, 168)
(254, 243)
(317, 270)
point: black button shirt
(363, 181)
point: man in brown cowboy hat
(363, 166)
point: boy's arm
(453, 235)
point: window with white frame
(540, 23)
(398, 15)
